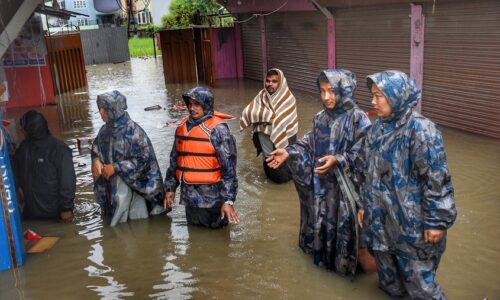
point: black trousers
(207, 217)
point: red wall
(25, 89)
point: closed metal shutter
(372, 39)
(462, 66)
(297, 44)
(252, 50)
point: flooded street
(163, 258)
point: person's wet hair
(322, 78)
(272, 72)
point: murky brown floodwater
(163, 258)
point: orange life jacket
(197, 161)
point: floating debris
(84, 142)
(173, 123)
(154, 107)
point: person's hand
(329, 162)
(97, 168)
(168, 201)
(229, 212)
(66, 216)
(433, 236)
(277, 158)
(107, 171)
(361, 214)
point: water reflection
(163, 258)
(177, 284)
(90, 219)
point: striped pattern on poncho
(275, 115)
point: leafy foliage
(152, 28)
(183, 13)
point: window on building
(61, 4)
(143, 18)
(83, 22)
(80, 4)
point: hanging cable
(265, 14)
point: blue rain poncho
(327, 223)
(408, 186)
(123, 143)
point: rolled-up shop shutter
(297, 44)
(372, 39)
(252, 50)
(462, 65)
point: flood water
(163, 258)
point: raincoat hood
(203, 96)
(343, 83)
(114, 103)
(35, 125)
(399, 89)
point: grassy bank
(141, 47)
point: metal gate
(373, 39)
(252, 49)
(66, 61)
(462, 66)
(178, 52)
(297, 43)
(105, 45)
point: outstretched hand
(329, 162)
(277, 158)
(229, 212)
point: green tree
(183, 13)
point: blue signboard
(11, 232)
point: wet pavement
(163, 258)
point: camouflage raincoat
(408, 186)
(327, 225)
(123, 143)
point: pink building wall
(239, 50)
(417, 47)
(331, 43)
(224, 52)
